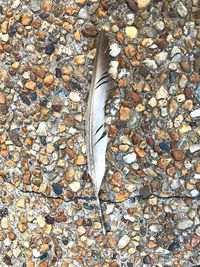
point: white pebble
(195, 113)
(175, 50)
(153, 102)
(115, 50)
(16, 3)
(184, 224)
(113, 69)
(161, 57)
(180, 98)
(194, 193)
(5, 37)
(75, 186)
(131, 157)
(162, 93)
(194, 148)
(42, 129)
(130, 19)
(182, 10)
(150, 63)
(7, 242)
(83, 14)
(123, 242)
(74, 96)
(36, 253)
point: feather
(96, 136)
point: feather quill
(96, 136)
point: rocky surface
(150, 194)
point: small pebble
(57, 189)
(123, 242)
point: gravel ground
(151, 191)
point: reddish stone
(136, 97)
(178, 154)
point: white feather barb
(96, 137)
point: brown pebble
(14, 137)
(161, 43)
(112, 131)
(197, 167)
(136, 97)
(150, 141)
(186, 66)
(136, 139)
(188, 92)
(60, 217)
(132, 5)
(89, 32)
(140, 152)
(178, 154)
(173, 135)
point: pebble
(75, 186)
(26, 19)
(195, 113)
(131, 32)
(74, 96)
(50, 48)
(130, 158)
(89, 32)
(142, 3)
(48, 80)
(115, 50)
(150, 63)
(14, 137)
(57, 189)
(16, 3)
(161, 57)
(123, 241)
(178, 154)
(182, 10)
(42, 129)
(162, 93)
(194, 148)
(124, 113)
(2, 98)
(83, 14)
(81, 230)
(184, 224)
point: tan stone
(142, 3)
(48, 80)
(30, 85)
(80, 160)
(26, 19)
(78, 60)
(47, 6)
(124, 113)
(4, 27)
(2, 98)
